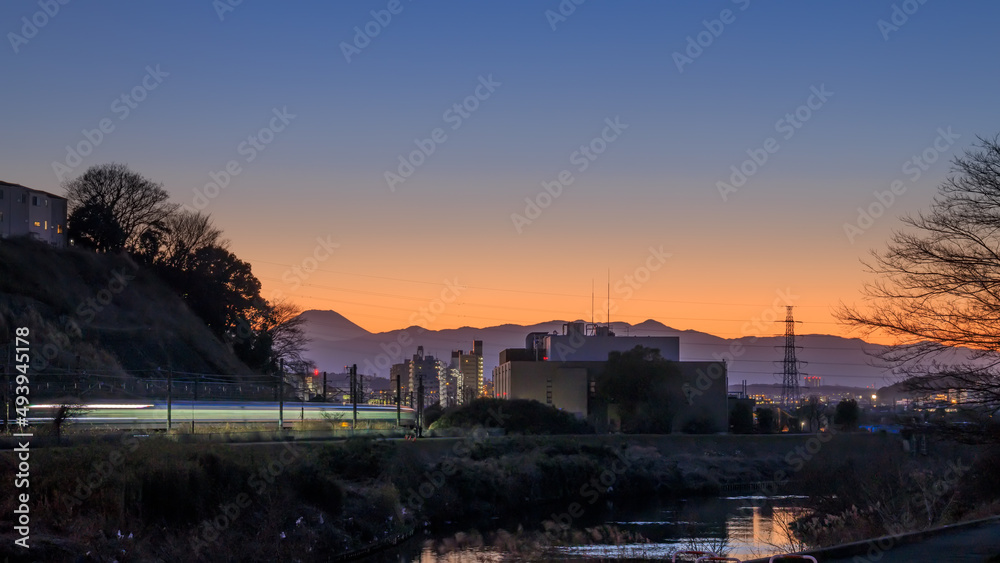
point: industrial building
(561, 370)
(28, 212)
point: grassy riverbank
(312, 501)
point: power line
(508, 290)
(534, 309)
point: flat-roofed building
(576, 345)
(699, 396)
(33, 213)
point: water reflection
(741, 527)
(429, 555)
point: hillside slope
(101, 313)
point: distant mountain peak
(336, 341)
(331, 325)
(649, 324)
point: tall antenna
(591, 302)
(790, 365)
(609, 300)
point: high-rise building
(400, 373)
(411, 372)
(469, 372)
(425, 371)
(448, 382)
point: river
(743, 527)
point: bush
(519, 416)
(355, 459)
(317, 488)
(432, 413)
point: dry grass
(144, 326)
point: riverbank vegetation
(894, 494)
(313, 501)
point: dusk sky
(837, 103)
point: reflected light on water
(741, 527)
(762, 531)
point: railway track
(153, 414)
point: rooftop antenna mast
(609, 301)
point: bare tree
(135, 203)
(277, 334)
(62, 415)
(187, 232)
(937, 287)
(286, 327)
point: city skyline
(451, 165)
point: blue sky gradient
(324, 175)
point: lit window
(59, 229)
(46, 225)
(38, 223)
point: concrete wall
(562, 386)
(698, 394)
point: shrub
(357, 458)
(520, 416)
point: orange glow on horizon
(384, 305)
